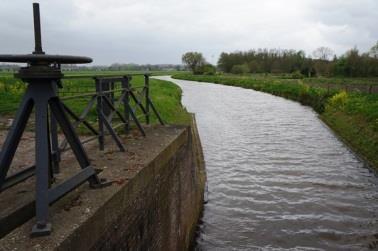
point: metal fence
(116, 104)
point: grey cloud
(149, 31)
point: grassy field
(353, 116)
(165, 95)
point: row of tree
(324, 62)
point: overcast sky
(148, 31)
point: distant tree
(297, 75)
(374, 51)
(240, 69)
(339, 66)
(323, 53)
(351, 64)
(307, 68)
(224, 62)
(322, 67)
(194, 61)
(208, 69)
(254, 66)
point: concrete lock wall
(154, 204)
(157, 210)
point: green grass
(11, 90)
(317, 80)
(342, 81)
(165, 95)
(353, 116)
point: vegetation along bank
(353, 115)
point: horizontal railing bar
(104, 76)
(68, 185)
(110, 79)
(115, 90)
(119, 125)
(79, 96)
(93, 94)
(89, 139)
(18, 177)
(62, 150)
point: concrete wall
(158, 209)
(161, 206)
(154, 203)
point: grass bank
(165, 95)
(353, 116)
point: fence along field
(166, 95)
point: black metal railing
(115, 101)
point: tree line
(323, 62)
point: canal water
(278, 178)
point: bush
(240, 69)
(338, 101)
(209, 69)
(297, 75)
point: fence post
(105, 87)
(126, 100)
(112, 97)
(147, 94)
(54, 139)
(99, 109)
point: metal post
(111, 98)
(43, 151)
(99, 109)
(126, 100)
(147, 95)
(105, 87)
(54, 140)
(37, 30)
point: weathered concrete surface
(154, 203)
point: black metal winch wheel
(42, 74)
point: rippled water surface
(277, 177)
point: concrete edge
(80, 239)
(201, 168)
